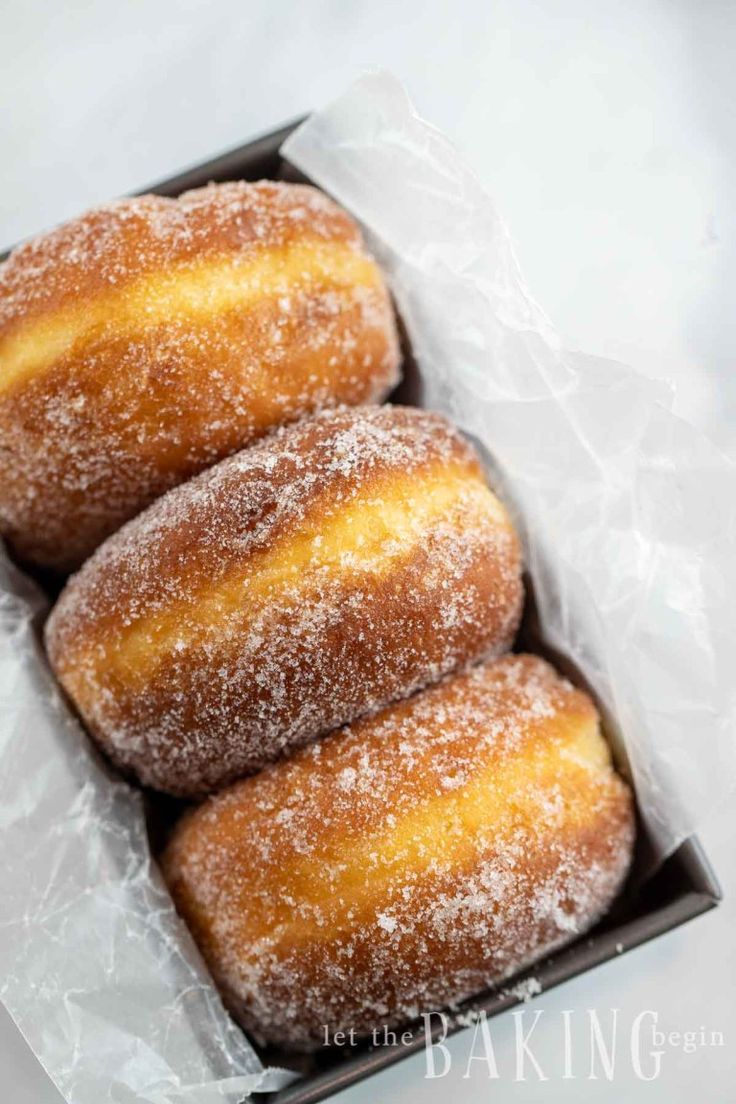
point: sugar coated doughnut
(408, 861)
(341, 563)
(151, 337)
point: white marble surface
(606, 133)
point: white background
(607, 133)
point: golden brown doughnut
(149, 338)
(340, 564)
(409, 860)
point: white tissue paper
(626, 514)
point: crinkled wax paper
(627, 512)
(624, 510)
(96, 968)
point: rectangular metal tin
(683, 887)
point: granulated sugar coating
(410, 860)
(150, 337)
(336, 566)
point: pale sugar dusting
(377, 900)
(325, 643)
(135, 401)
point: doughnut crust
(336, 566)
(408, 861)
(149, 338)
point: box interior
(680, 889)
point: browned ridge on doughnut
(149, 338)
(339, 564)
(409, 860)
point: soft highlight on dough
(370, 536)
(189, 294)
